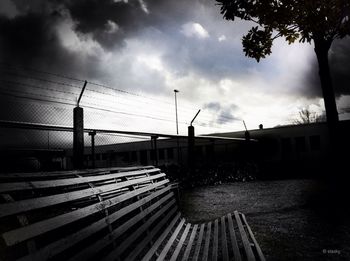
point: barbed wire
(182, 108)
(40, 71)
(44, 80)
(74, 86)
(96, 108)
(37, 87)
(208, 117)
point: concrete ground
(283, 215)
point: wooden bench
(110, 214)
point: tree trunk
(321, 49)
(336, 179)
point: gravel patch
(285, 219)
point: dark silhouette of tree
(314, 21)
(307, 116)
(317, 21)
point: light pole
(177, 123)
(177, 130)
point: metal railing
(32, 146)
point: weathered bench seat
(110, 214)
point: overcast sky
(149, 48)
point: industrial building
(295, 149)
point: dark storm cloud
(29, 35)
(224, 114)
(130, 17)
(93, 16)
(312, 81)
(213, 106)
(30, 39)
(208, 58)
(340, 66)
(339, 62)
(182, 55)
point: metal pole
(191, 146)
(78, 137)
(177, 129)
(177, 123)
(154, 147)
(195, 117)
(81, 93)
(191, 153)
(78, 133)
(92, 134)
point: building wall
(168, 153)
(297, 150)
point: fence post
(92, 134)
(191, 154)
(78, 137)
(154, 145)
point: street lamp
(177, 123)
(177, 129)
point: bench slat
(216, 240)
(50, 174)
(156, 244)
(36, 203)
(180, 243)
(246, 243)
(23, 221)
(223, 239)
(65, 243)
(257, 247)
(109, 238)
(165, 250)
(69, 173)
(136, 251)
(24, 233)
(113, 214)
(27, 185)
(132, 238)
(207, 242)
(190, 242)
(199, 243)
(236, 254)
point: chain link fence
(36, 129)
(27, 147)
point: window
(315, 142)
(300, 144)
(104, 156)
(98, 156)
(170, 152)
(161, 154)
